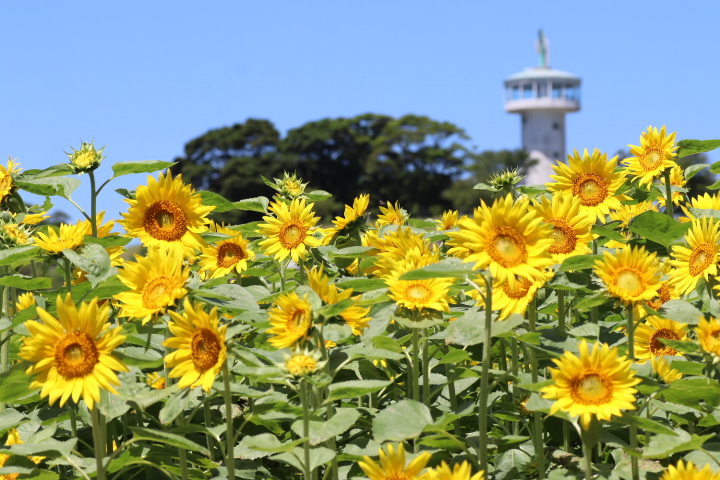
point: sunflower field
(567, 330)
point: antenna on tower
(542, 48)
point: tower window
(556, 155)
(556, 126)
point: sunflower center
(5, 183)
(564, 236)
(229, 254)
(507, 247)
(592, 389)
(166, 221)
(205, 349)
(292, 234)
(629, 281)
(76, 355)
(296, 319)
(659, 348)
(157, 292)
(701, 257)
(591, 189)
(652, 159)
(418, 293)
(301, 364)
(522, 286)
(663, 295)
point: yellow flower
(599, 384)
(665, 293)
(26, 300)
(72, 355)
(68, 236)
(6, 182)
(394, 246)
(33, 218)
(156, 381)
(155, 281)
(688, 471)
(703, 202)
(302, 363)
(167, 214)
(360, 204)
(290, 231)
(655, 153)
(460, 471)
(392, 215)
(708, 334)
(507, 239)
(571, 227)
(200, 347)
(661, 366)
(291, 320)
(392, 465)
(86, 159)
(228, 256)
(631, 275)
(511, 300)
(647, 345)
(354, 316)
(593, 179)
(14, 439)
(699, 258)
(677, 179)
(417, 294)
(625, 213)
(449, 219)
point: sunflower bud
(86, 159)
(302, 363)
(506, 180)
(289, 187)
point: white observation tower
(542, 96)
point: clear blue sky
(143, 78)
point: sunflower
(632, 274)
(665, 293)
(571, 227)
(417, 294)
(156, 381)
(392, 465)
(688, 471)
(677, 179)
(593, 179)
(355, 316)
(702, 202)
(394, 246)
(708, 334)
(358, 208)
(72, 355)
(302, 363)
(26, 300)
(460, 471)
(200, 346)
(155, 281)
(647, 335)
(290, 231)
(448, 221)
(655, 153)
(507, 239)
(14, 439)
(167, 214)
(291, 320)
(7, 185)
(392, 215)
(511, 300)
(664, 370)
(229, 255)
(599, 384)
(67, 236)
(699, 258)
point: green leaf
(52, 448)
(643, 423)
(455, 357)
(417, 223)
(608, 233)
(174, 406)
(691, 147)
(579, 262)
(362, 284)
(695, 393)
(18, 254)
(111, 405)
(686, 347)
(681, 311)
(139, 357)
(693, 170)
(592, 301)
(663, 446)
(139, 166)
(387, 343)
(58, 170)
(109, 241)
(355, 388)
(448, 268)
(25, 282)
(229, 296)
(218, 201)
(349, 252)
(658, 227)
(335, 309)
(255, 204)
(126, 193)
(401, 421)
(470, 328)
(93, 260)
(704, 212)
(318, 195)
(341, 422)
(178, 441)
(569, 281)
(267, 442)
(485, 186)
(15, 384)
(50, 186)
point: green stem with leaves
(98, 443)
(93, 204)
(668, 195)
(416, 365)
(307, 471)
(482, 452)
(634, 467)
(426, 366)
(229, 436)
(537, 416)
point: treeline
(422, 163)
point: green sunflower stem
(537, 416)
(182, 454)
(482, 453)
(416, 365)
(68, 275)
(208, 424)
(515, 370)
(98, 444)
(93, 204)
(307, 471)
(229, 436)
(561, 310)
(426, 366)
(587, 456)
(668, 195)
(631, 355)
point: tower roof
(542, 73)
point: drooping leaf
(658, 227)
(663, 446)
(470, 328)
(93, 260)
(139, 166)
(50, 186)
(693, 170)
(579, 262)
(15, 384)
(355, 388)
(401, 421)
(26, 283)
(681, 311)
(220, 203)
(342, 421)
(167, 438)
(18, 254)
(255, 204)
(691, 147)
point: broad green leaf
(596, 300)
(470, 328)
(643, 423)
(485, 186)
(455, 356)
(15, 384)
(355, 388)
(267, 442)
(111, 405)
(218, 201)
(18, 254)
(401, 421)
(608, 233)
(126, 193)
(691, 147)
(687, 347)
(139, 166)
(342, 421)
(694, 393)
(255, 204)
(663, 446)
(318, 456)
(93, 260)
(417, 223)
(681, 311)
(693, 170)
(318, 195)
(448, 268)
(59, 170)
(51, 448)
(229, 296)
(569, 280)
(25, 282)
(139, 357)
(362, 284)
(387, 343)
(579, 262)
(50, 186)
(10, 418)
(335, 309)
(159, 436)
(658, 227)
(704, 212)
(174, 406)
(349, 252)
